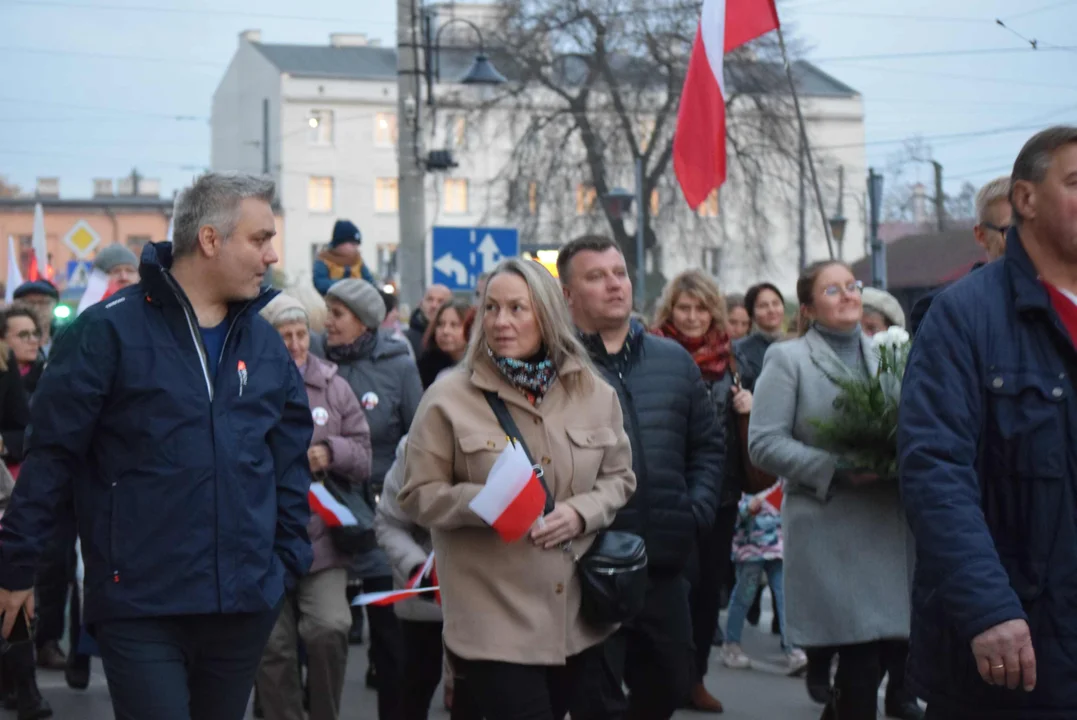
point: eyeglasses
(27, 335)
(851, 288)
(1003, 229)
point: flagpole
(804, 139)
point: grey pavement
(761, 693)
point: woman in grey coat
(383, 376)
(847, 554)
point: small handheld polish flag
(513, 497)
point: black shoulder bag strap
(501, 412)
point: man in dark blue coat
(677, 455)
(987, 443)
(174, 418)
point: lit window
(321, 127)
(532, 198)
(455, 202)
(456, 128)
(709, 207)
(656, 203)
(585, 198)
(386, 195)
(320, 194)
(385, 130)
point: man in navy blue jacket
(174, 418)
(987, 442)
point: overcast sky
(93, 88)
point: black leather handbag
(351, 539)
(613, 571)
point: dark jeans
(652, 654)
(714, 559)
(508, 691)
(856, 685)
(386, 651)
(198, 667)
(55, 575)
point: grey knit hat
(113, 256)
(362, 298)
(285, 309)
(885, 304)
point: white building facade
(322, 120)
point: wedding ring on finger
(999, 667)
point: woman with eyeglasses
(22, 333)
(18, 675)
(846, 539)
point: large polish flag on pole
(699, 156)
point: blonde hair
(551, 315)
(313, 303)
(997, 189)
(700, 286)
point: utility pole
(878, 248)
(940, 198)
(641, 262)
(802, 233)
(265, 136)
(411, 250)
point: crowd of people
(179, 426)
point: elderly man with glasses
(993, 219)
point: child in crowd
(757, 549)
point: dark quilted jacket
(677, 446)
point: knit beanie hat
(885, 304)
(284, 309)
(113, 256)
(345, 231)
(362, 298)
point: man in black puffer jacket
(677, 449)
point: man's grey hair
(1035, 157)
(989, 194)
(214, 200)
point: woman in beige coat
(512, 611)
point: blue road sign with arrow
(460, 255)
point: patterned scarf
(532, 377)
(711, 351)
(363, 346)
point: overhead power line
(853, 15)
(192, 11)
(1041, 8)
(939, 53)
(110, 56)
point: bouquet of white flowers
(864, 429)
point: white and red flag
(699, 153)
(425, 580)
(332, 512)
(513, 497)
(774, 496)
(98, 287)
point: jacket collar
(485, 376)
(633, 343)
(318, 373)
(1028, 292)
(161, 288)
(819, 348)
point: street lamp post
(878, 248)
(619, 204)
(411, 165)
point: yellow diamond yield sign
(82, 238)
